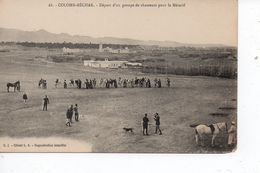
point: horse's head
(223, 126)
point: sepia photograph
(118, 76)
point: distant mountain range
(45, 36)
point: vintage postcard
(118, 76)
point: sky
(199, 22)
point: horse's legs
(197, 139)
(7, 89)
(213, 140)
(202, 143)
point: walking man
(231, 134)
(145, 124)
(76, 112)
(157, 123)
(45, 103)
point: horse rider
(145, 124)
(45, 103)
(157, 123)
(231, 134)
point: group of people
(146, 123)
(42, 83)
(142, 82)
(69, 114)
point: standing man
(157, 123)
(159, 83)
(76, 112)
(145, 124)
(231, 134)
(65, 84)
(45, 103)
(70, 114)
(79, 84)
(168, 82)
(68, 117)
(56, 82)
(25, 98)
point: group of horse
(142, 82)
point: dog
(128, 129)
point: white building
(68, 50)
(100, 48)
(111, 50)
(105, 64)
(134, 64)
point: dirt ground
(104, 112)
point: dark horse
(16, 85)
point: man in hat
(231, 134)
(145, 124)
(157, 123)
(45, 103)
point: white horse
(213, 129)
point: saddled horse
(212, 129)
(15, 85)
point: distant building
(68, 50)
(134, 65)
(116, 51)
(105, 64)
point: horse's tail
(193, 125)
